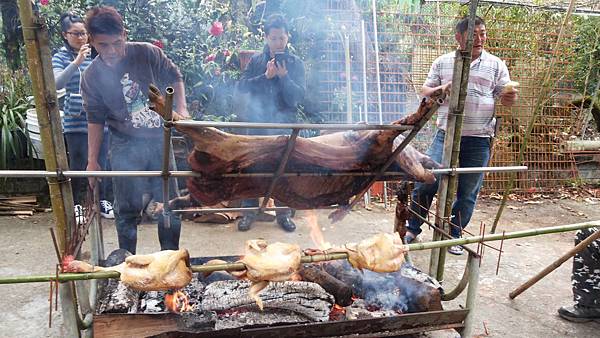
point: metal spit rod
(187, 173)
(325, 126)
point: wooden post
(35, 33)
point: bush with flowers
(202, 37)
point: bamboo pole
(541, 99)
(447, 185)
(575, 250)
(35, 34)
(378, 79)
(64, 277)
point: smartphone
(280, 58)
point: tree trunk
(13, 37)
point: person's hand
(446, 88)
(84, 51)
(93, 166)
(281, 70)
(271, 69)
(509, 94)
(509, 98)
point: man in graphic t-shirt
(114, 89)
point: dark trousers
(127, 153)
(77, 146)
(474, 152)
(586, 271)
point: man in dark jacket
(274, 80)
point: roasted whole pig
(163, 270)
(217, 153)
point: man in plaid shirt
(488, 81)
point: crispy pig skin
(217, 153)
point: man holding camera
(274, 82)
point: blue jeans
(474, 152)
(77, 146)
(129, 153)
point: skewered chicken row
(163, 270)
(279, 262)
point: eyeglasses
(78, 34)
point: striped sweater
(68, 75)
(487, 78)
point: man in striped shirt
(488, 77)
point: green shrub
(14, 140)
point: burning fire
(337, 313)
(178, 302)
(315, 230)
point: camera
(281, 58)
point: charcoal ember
(253, 317)
(302, 298)
(407, 290)
(153, 301)
(114, 296)
(197, 320)
(361, 310)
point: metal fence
(409, 41)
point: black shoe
(579, 314)
(287, 224)
(245, 223)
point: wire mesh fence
(409, 38)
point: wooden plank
(17, 213)
(133, 325)
(19, 199)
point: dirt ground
(26, 249)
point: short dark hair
(463, 24)
(275, 21)
(66, 21)
(104, 20)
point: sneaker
(409, 237)
(79, 214)
(456, 250)
(106, 209)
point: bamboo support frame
(575, 250)
(448, 184)
(64, 277)
(35, 34)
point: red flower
(211, 57)
(216, 28)
(226, 53)
(158, 43)
(44, 2)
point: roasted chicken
(163, 270)
(380, 253)
(276, 262)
